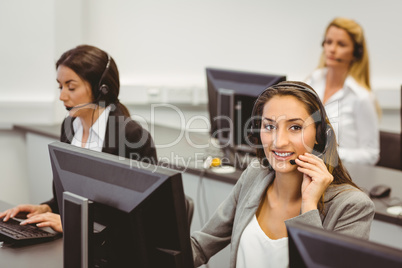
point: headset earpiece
(103, 89)
(358, 51)
(320, 148)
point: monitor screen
(314, 247)
(231, 97)
(133, 212)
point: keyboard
(13, 233)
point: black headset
(256, 119)
(103, 89)
(358, 51)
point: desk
(386, 228)
(48, 254)
(367, 177)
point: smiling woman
(289, 124)
(287, 131)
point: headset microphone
(78, 106)
(339, 60)
(292, 162)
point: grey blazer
(347, 210)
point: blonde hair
(359, 68)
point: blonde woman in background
(342, 81)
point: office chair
(391, 147)
(390, 150)
(190, 210)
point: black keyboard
(12, 232)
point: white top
(353, 116)
(96, 132)
(257, 250)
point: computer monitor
(119, 212)
(231, 97)
(314, 247)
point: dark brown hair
(90, 64)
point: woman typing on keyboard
(89, 85)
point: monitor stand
(77, 229)
(238, 158)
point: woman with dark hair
(89, 88)
(342, 80)
(298, 177)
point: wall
(163, 47)
(34, 34)
(166, 46)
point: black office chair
(190, 210)
(391, 147)
(390, 150)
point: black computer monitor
(119, 212)
(314, 247)
(231, 97)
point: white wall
(27, 52)
(169, 43)
(33, 35)
(164, 46)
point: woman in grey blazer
(298, 177)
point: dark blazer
(124, 137)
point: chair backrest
(190, 210)
(391, 146)
(390, 150)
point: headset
(103, 89)
(319, 149)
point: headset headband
(290, 84)
(106, 69)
